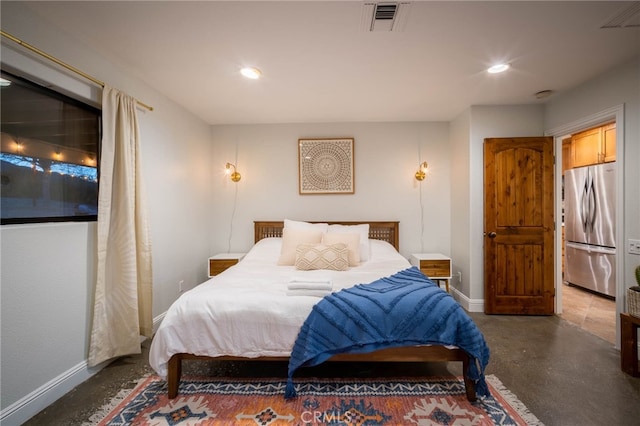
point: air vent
(384, 16)
(385, 12)
(629, 17)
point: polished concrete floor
(562, 373)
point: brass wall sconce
(422, 171)
(234, 175)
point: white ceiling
(319, 65)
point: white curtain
(122, 300)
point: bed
(246, 313)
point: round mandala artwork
(326, 166)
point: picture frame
(326, 166)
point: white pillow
(351, 240)
(362, 230)
(292, 238)
(383, 251)
(267, 249)
(295, 224)
(310, 257)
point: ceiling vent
(387, 16)
(629, 17)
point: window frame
(49, 92)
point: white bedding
(245, 311)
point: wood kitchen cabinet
(594, 146)
(566, 155)
(609, 136)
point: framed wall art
(326, 166)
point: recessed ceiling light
(4, 83)
(543, 94)
(498, 68)
(250, 72)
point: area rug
(224, 401)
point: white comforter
(245, 311)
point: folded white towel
(313, 293)
(309, 286)
(310, 278)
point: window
(49, 157)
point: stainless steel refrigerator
(590, 248)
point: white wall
(47, 270)
(620, 86)
(460, 196)
(386, 158)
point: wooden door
(519, 226)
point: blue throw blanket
(401, 310)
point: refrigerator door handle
(592, 206)
(591, 249)
(583, 206)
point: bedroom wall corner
(47, 291)
(460, 129)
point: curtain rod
(62, 64)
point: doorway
(587, 309)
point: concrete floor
(562, 373)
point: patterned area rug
(216, 401)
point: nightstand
(221, 262)
(436, 266)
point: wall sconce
(422, 171)
(235, 176)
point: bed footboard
(402, 354)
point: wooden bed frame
(386, 231)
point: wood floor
(593, 313)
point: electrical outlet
(180, 286)
(459, 277)
(634, 246)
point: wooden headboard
(385, 231)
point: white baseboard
(157, 320)
(36, 401)
(470, 305)
(31, 404)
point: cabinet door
(585, 147)
(566, 155)
(609, 142)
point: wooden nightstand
(434, 265)
(220, 262)
(629, 326)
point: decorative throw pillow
(292, 238)
(318, 256)
(351, 240)
(362, 229)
